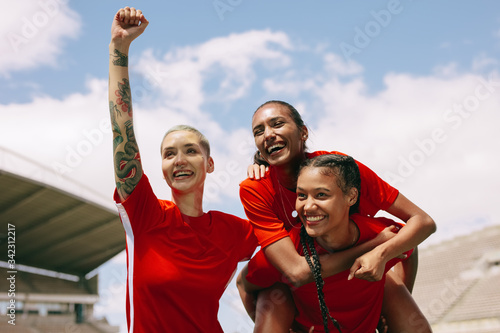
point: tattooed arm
(128, 24)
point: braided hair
(310, 252)
(347, 173)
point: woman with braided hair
(328, 189)
(269, 198)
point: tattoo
(127, 162)
(121, 59)
(113, 109)
(124, 98)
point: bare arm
(419, 226)
(127, 25)
(283, 255)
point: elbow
(429, 225)
(299, 276)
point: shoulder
(260, 186)
(323, 152)
(262, 182)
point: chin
(311, 232)
(182, 188)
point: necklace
(294, 212)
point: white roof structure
(458, 283)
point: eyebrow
(316, 189)
(187, 145)
(272, 119)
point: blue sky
(410, 88)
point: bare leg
(400, 310)
(407, 270)
(272, 309)
(275, 310)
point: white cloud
(182, 74)
(33, 32)
(72, 135)
(337, 65)
(483, 62)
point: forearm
(335, 263)
(419, 226)
(283, 255)
(416, 230)
(128, 169)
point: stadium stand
(59, 235)
(458, 285)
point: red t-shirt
(270, 207)
(178, 266)
(355, 304)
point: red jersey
(178, 266)
(355, 304)
(270, 207)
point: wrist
(382, 252)
(119, 45)
(117, 57)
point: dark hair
(343, 167)
(310, 252)
(347, 173)
(294, 114)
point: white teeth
(182, 173)
(314, 218)
(275, 147)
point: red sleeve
(142, 209)
(244, 238)
(257, 198)
(248, 243)
(261, 272)
(376, 194)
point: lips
(314, 219)
(275, 148)
(182, 174)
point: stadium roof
(54, 229)
(457, 283)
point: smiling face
(321, 204)
(277, 137)
(185, 163)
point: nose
(268, 133)
(180, 159)
(309, 204)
